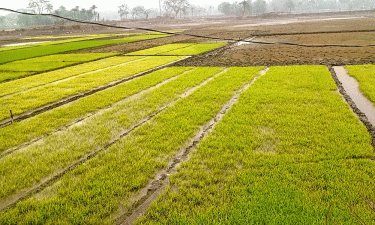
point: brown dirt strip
(314, 32)
(63, 127)
(48, 181)
(77, 96)
(152, 190)
(361, 116)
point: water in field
(27, 43)
(351, 87)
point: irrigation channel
(351, 86)
(155, 186)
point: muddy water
(245, 42)
(351, 87)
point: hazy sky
(103, 5)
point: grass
(42, 124)
(179, 49)
(12, 70)
(36, 97)
(61, 148)
(103, 185)
(45, 78)
(365, 74)
(12, 75)
(161, 49)
(289, 152)
(25, 53)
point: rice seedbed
(161, 49)
(101, 188)
(60, 149)
(179, 49)
(53, 76)
(195, 49)
(289, 152)
(36, 97)
(42, 124)
(12, 75)
(45, 63)
(365, 74)
(19, 54)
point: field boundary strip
(46, 182)
(81, 119)
(361, 116)
(53, 105)
(161, 180)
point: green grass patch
(34, 127)
(284, 154)
(45, 63)
(161, 49)
(61, 148)
(19, 54)
(179, 49)
(37, 97)
(45, 78)
(365, 74)
(106, 182)
(12, 75)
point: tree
(175, 5)
(260, 6)
(225, 8)
(289, 6)
(39, 6)
(139, 11)
(160, 3)
(123, 11)
(95, 15)
(2, 20)
(246, 6)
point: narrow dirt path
(46, 182)
(64, 101)
(160, 182)
(347, 90)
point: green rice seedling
(45, 123)
(161, 49)
(12, 75)
(35, 98)
(365, 74)
(103, 186)
(195, 49)
(62, 148)
(289, 152)
(45, 78)
(25, 53)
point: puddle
(27, 43)
(245, 42)
(351, 87)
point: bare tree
(123, 11)
(289, 6)
(39, 6)
(260, 6)
(175, 5)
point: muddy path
(155, 186)
(67, 100)
(48, 181)
(346, 89)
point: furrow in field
(361, 106)
(27, 83)
(155, 186)
(128, 92)
(63, 93)
(246, 170)
(45, 160)
(114, 175)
